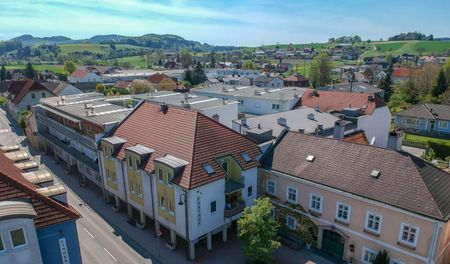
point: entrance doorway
(333, 243)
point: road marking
(89, 233)
(110, 255)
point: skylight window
(310, 158)
(246, 157)
(375, 174)
(208, 168)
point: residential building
(122, 85)
(236, 80)
(84, 76)
(36, 223)
(70, 127)
(255, 100)
(223, 111)
(196, 184)
(296, 80)
(61, 88)
(23, 94)
(354, 88)
(429, 119)
(367, 111)
(31, 130)
(353, 200)
(268, 81)
(404, 74)
(162, 82)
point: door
(333, 243)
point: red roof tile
(79, 73)
(14, 186)
(359, 137)
(336, 101)
(188, 135)
(405, 72)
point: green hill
(410, 47)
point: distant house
(124, 85)
(369, 112)
(268, 81)
(284, 67)
(61, 88)
(23, 94)
(162, 82)
(46, 75)
(296, 80)
(170, 65)
(425, 119)
(405, 74)
(84, 76)
(354, 88)
(237, 80)
(212, 81)
(427, 60)
(17, 74)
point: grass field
(94, 48)
(39, 68)
(138, 61)
(411, 47)
(424, 139)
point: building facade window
(43, 95)
(408, 234)
(213, 207)
(250, 191)
(2, 245)
(224, 165)
(373, 222)
(160, 175)
(368, 255)
(132, 186)
(139, 191)
(343, 212)
(315, 202)
(169, 178)
(291, 194)
(33, 96)
(18, 237)
(443, 124)
(291, 222)
(161, 202)
(270, 188)
(130, 162)
(171, 208)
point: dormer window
(224, 165)
(208, 168)
(246, 156)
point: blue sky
(226, 22)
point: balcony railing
(71, 151)
(234, 210)
(81, 139)
(232, 185)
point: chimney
(186, 98)
(316, 131)
(339, 130)
(315, 93)
(244, 121)
(282, 121)
(301, 130)
(320, 126)
(395, 140)
(310, 116)
(164, 107)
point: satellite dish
(372, 141)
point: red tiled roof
(21, 88)
(336, 101)
(156, 78)
(122, 84)
(14, 186)
(295, 78)
(405, 72)
(79, 73)
(188, 135)
(405, 181)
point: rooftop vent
(320, 126)
(164, 107)
(282, 121)
(88, 106)
(310, 158)
(90, 112)
(301, 130)
(375, 174)
(61, 100)
(246, 156)
(315, 93)
(311, 116)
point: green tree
(29, 71)
(386, 85)
(188, 75)
(381, 258)
(3, 73)
(198, 75)
(23, 118)
(100, 88)
(320, 70)
(258, 230)
(140, 86)
(213, 60)
(70, 67)
(2, 100)
(447, 70)
(441, 84)
(249, 65)
(185, 58)
(8, 75)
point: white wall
(250, 179)
(69, 90)
(90, 77)
(227, 113)
(376, 125)
(264, 106)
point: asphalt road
(98, 241)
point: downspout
(188, 253)
(151, 199)
(437, 227)
(123, 176)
